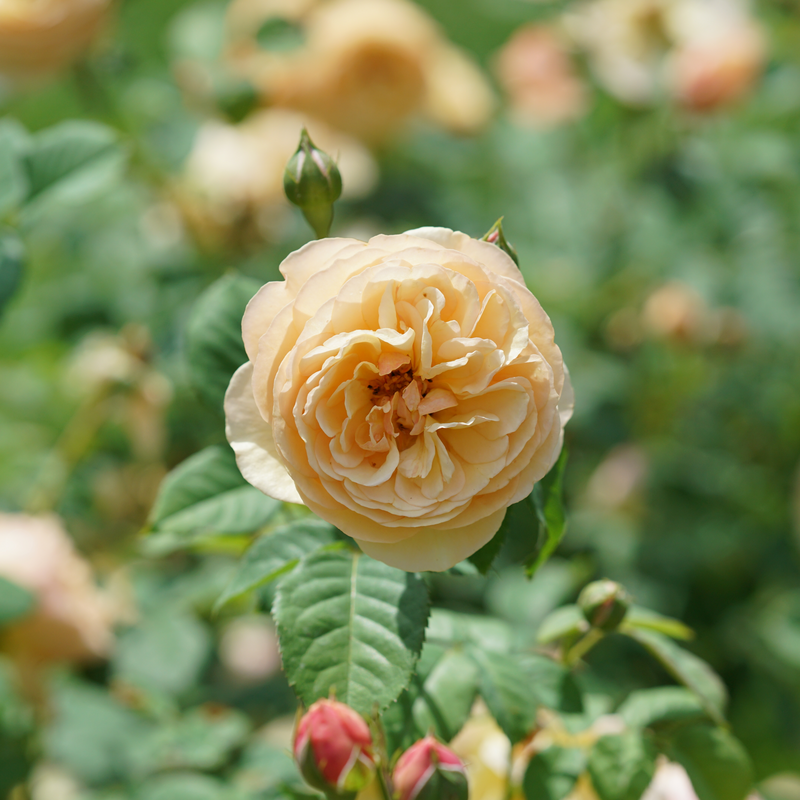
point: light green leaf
(203, 739)
(716, 762)
(551, 774)
(164, 653)
(547, 496)
(450, 628)
(622, 766)
(12, 263)
(665, 704)
(276, 553)
(351, 625)
(280, 35)
(503, 685)
(214, 348)
(14, 143)
(15, 601)
(445, 698)
(687, 668)
(188, 786)
(644, 619)
(71, 159)
(564, 621)
(207, 494)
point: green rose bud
(604, 604)
(312, 181)
(498, 237)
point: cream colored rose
(702, 53)
(406, 389)
(42, 36)
(71, 620)
(362, 66)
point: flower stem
(582, 646)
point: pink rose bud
(333, 748)
(429, 771)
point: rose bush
(406, 389)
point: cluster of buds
(334, 751)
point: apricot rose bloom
(406, 389)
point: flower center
(384, 387)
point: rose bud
(430, 771)
(333, 748)
(312, 181)
(604, 604)
(497, 236)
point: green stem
(582, 646)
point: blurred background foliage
(657, 222)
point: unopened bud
(498, 237)
(604, 604)
(312, 181)
(430, 771)
(333, 748)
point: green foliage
(549, 503)
(12, 263)
(214, 349)
(276, 553)
(715, 761)
(15, 601)
(664, 705)
(690, 670)
(621, 766)
(352, 626)
(551, 774)
(207, 495)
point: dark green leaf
(12, 263)
(716, 762)
(687, 668)
(520, 531)
(276, 553)
(563, 622)
(551, 774)
(15, 601)
(665, 704)
(352, 625)
(214, 348)
(547, 497)
(503, 685)
(484, 558)
(644, 619)
(551, 684)
(71, 158)
(446, 697)
(206, 494)
(622, 766)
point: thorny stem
(383, 759)
(582, 646)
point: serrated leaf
(715, 761)
(662, 705)
(644, 619)
(207, 494)
(214, 347)
(351, 625)
(547, 497)
(12, 264)
(71, 158)
(276, 553)
(563, 622)
(503, 685)
(15, 601)
(622, 766)
(551, 774)
(445, 698)
(688, 669)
